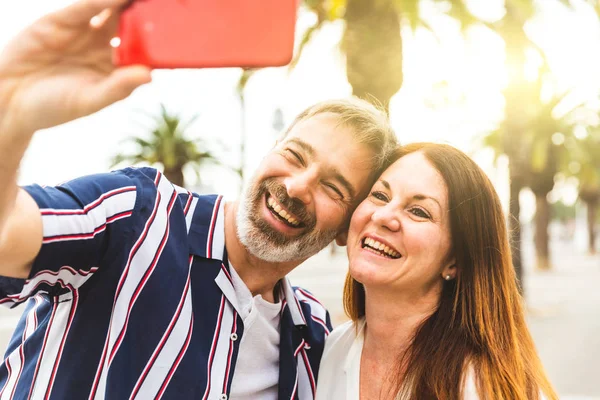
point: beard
(267, 243)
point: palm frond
(306, 38)
(167, 144)
(460, 12)
(247, 73)
(410, 12)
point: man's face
(304, 191)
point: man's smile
(281, 213)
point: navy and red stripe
(97, 232)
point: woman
(435, 308)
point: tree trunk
(591, 225)
(590, 195)
(175, 176)
(373, 49)
(515, 123)
(542, 239)
(514, 226)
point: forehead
(334, 146)
(323, 129)
(414, 174)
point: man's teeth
(374, 244)
(277, 208)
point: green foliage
(563, 212)
(409, 11)
(167, 144)
(583, 163)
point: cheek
(425, 242)
(330, 215)
(360, 218)
(272, 165)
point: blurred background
(514, 83)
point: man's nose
(387, 217)
(301, 184)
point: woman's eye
(379, 196)
(420, 213)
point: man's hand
(60, 68)
(57, 70)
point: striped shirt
(131, 297)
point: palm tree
(585, 155)
(589, 193)
(522, 106)
(545, 157)
(537, 157)
(372, 41)
(169, 147)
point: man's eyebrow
(305, 146)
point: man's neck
(259, 276)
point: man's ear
(342, 239)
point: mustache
(292, 204)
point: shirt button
(233, 337)
(223, 397)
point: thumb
(117, 86)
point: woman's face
(399, 236)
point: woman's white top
(339, 373)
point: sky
(452, 93)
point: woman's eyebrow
(385, 183)
(424, 197)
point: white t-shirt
(256, 373)
(339, 373)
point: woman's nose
(387, 217)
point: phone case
(207, 33)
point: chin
(363, 273)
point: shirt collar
(206, 235)
(206, 239)
(293, 303)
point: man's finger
(117, 86)
(81, 12)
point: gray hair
(370, 125)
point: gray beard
(267, 244)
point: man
(139, 289)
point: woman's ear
(450, 270)
(342, 238)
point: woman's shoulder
(470, 387)
(343, 341)
(345, 334)
(341, 359)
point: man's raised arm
(58, 69)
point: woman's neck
(392, 319)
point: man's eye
(379, 196)
(297, 156)
(419, 212)
(334, 189)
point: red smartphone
(207, 33)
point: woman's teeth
(375, 245)
(281, 212)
